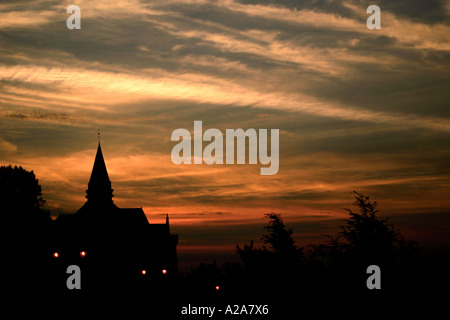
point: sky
(357, 109)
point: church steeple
(99, 188)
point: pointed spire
(99, 187)
(167, 223)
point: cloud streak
(200, 89)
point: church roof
(134, 215)
(99, 186)
(100, 209)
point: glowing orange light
(164, 271)
(143, 272)
(55, 254)
(83, 253)
(217, 287)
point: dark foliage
(283, 254)
(21, 195)
(278, 237)
(366, 239)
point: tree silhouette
(368, 236)
(21, 195)
(278, 265)
(278, 237)
(280, 240)
(27, 225)
(364, 239)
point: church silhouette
(115, 248)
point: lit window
(55, 254)
(143, 272)
(83, 254)
(164, 271)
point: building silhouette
(115, 248)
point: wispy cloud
(201, 89)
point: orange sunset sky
(357, 109)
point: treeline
(333, 271)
